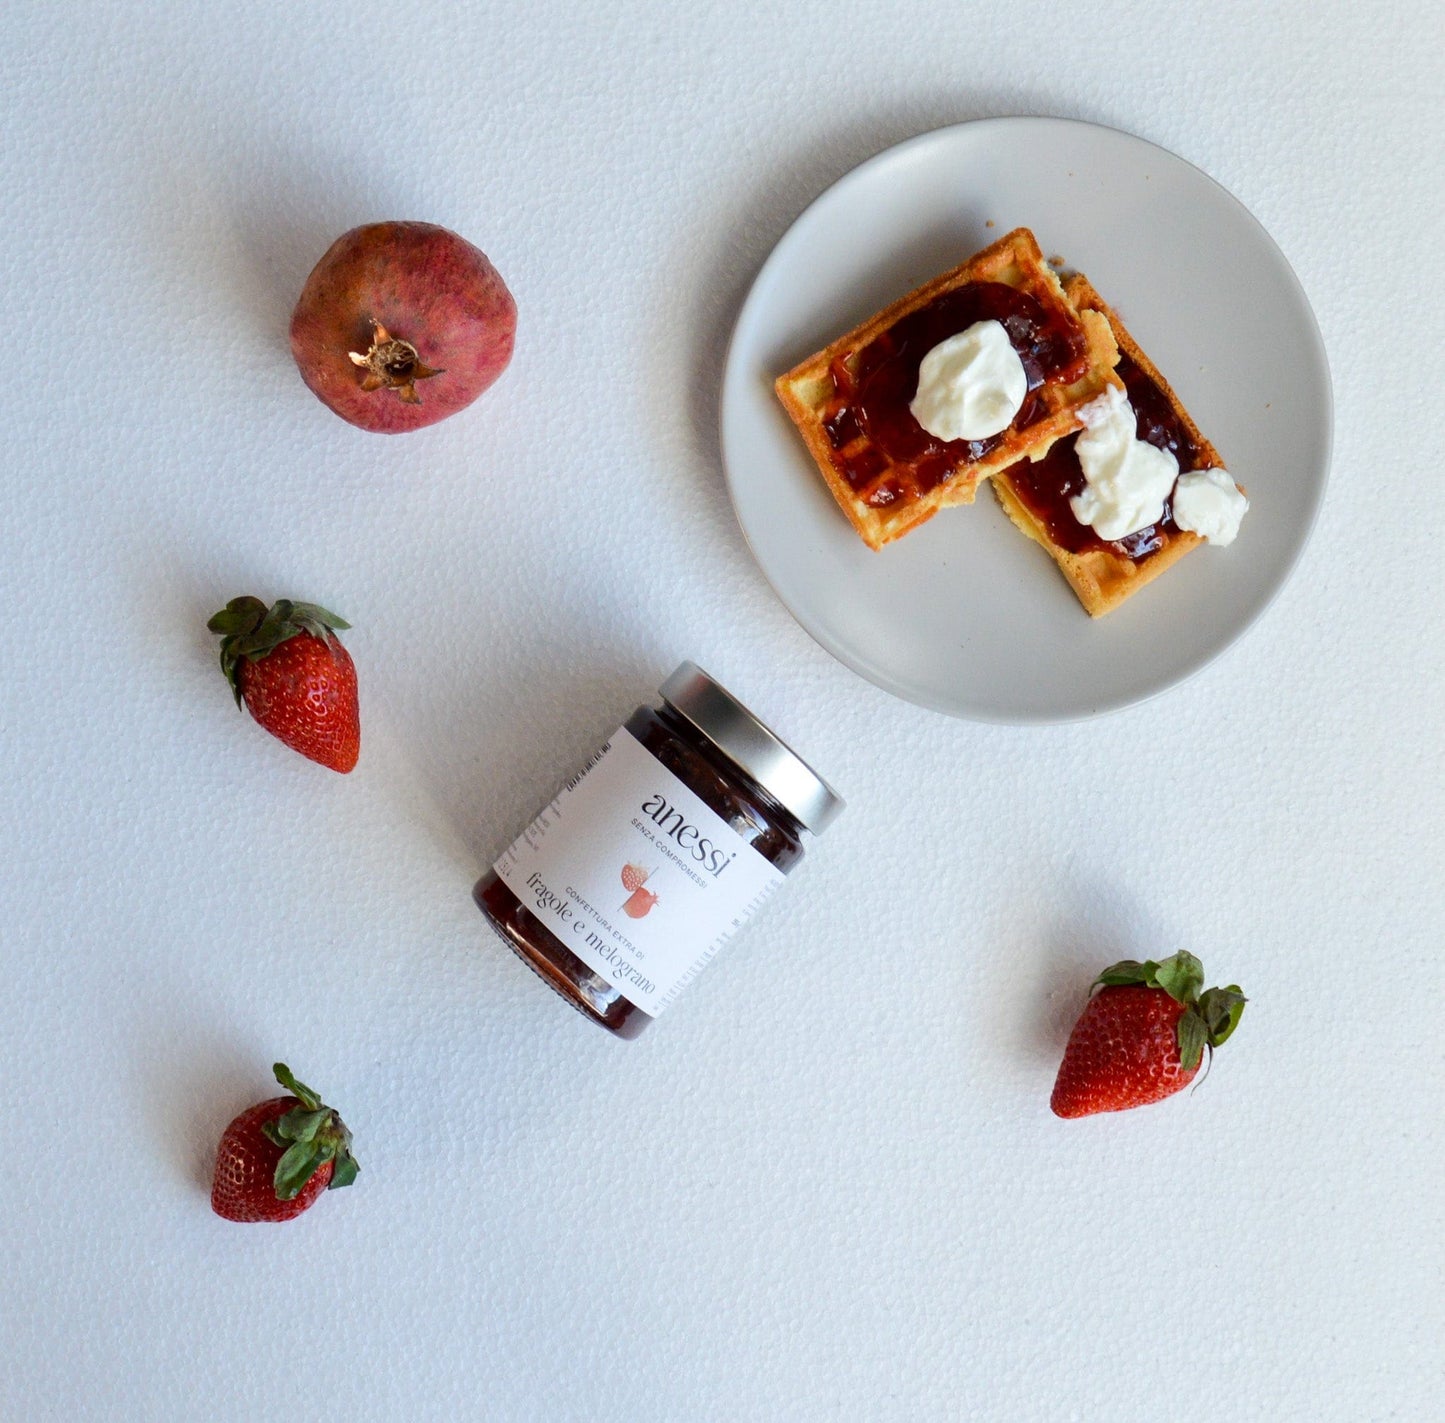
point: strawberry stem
(312, 1134)
(1210, 1015)
(249, 629)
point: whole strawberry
(278, 1156)
(1142, 1035)
(297, 680)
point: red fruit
(244, 1188)
(1142, 1035)
(401, 324)
(638, 903)
(277, 1157)
(294, 676)
(633, 877)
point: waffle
(889, 478)
(1103, 575)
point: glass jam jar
(648, 861)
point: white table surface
(828, 1184)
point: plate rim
(1318, 357)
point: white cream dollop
(971, 385)
(1207, 502)
(1128, 479)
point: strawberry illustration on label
(639, 900)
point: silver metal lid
(741, 737)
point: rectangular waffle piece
(1036, 495)
(851, 400)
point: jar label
(636, 874)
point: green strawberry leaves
(1210, 1015)
(1221, 1009)
(249, 629)
(1193, 1037)
(298, 1164)
(312, 1134)
(303, 1126)
(240, 617)
(303, 1094)
(1181, 976)
(344, 1172)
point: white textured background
(828, 1185)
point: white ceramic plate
(965, 615)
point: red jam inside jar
(624, 887)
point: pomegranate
(401, 324)
(638, 903)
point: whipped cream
(971, 385)
(1128, 479)
(1207, 502)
